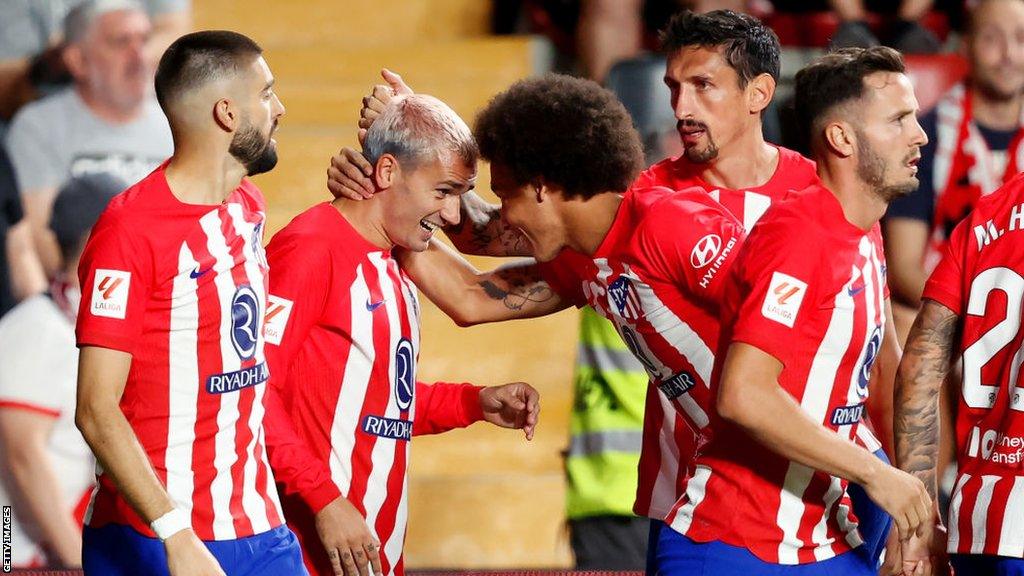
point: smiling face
(253, 144)
(710, 107)
(423, 198)
(532, 210)
(995, 48)
(889, 138)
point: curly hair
(750, 47)
(837, 78)
(567, 131)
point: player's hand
(350, 175)
(926, 555)
(515, 405)
(379, 98)
(349, 543)
(904, 497)
(892, 565)
(187, 556)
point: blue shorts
(652, 547)
(874, 521)
(681, 556)
(116, 550)
(983, 565)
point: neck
(367, 218)
(748, 163)
(996, 114)
(860, 203)
(588, 222)
(202, 171)
(106, 110)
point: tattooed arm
(468, 296)
(482, 232)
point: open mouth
(429, 226)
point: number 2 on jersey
(976, 393)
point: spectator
(30, 44)
(20, 273)
(46, 465)
(974, 138)
(107, 123)
(905, 32)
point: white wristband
(170, 524)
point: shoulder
(132, 211)
(799, 169)
(305, 234)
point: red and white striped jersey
(656, 276)
(181, 287)
(343, 328)
(981, 279)
(809, 289)
(667, 447)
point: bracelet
(170, 524)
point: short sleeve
(945, 285)
(770, 287)
(116, 275)
(693, 241)
(300, 277)
(33, 160)
(563, 274)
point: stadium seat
(815, 29)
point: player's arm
(26, 271)
(751, 397)
(906, 240)
(102, 374)
(24, 437)
(444, 406)
(883, 375)
(469, 296)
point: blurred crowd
(79, 122)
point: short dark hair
(199, 57)
(568, 131)
(749, 47)
(837, 78)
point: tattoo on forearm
(519, 287)
(487, 233)
(925, 365)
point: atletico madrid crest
(624, 298)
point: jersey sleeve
(444, 406)
(116, 275)
(693, 241)
(294, 305)
(563, 275)
(945, 285)
(300, 279)
(769, 288)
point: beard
(692, 153)
(872, 169)
(256, 153)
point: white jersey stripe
(955, 502)
(664, 496)
(353, 386)
(754, 206)
(848, 526)
(819, 535)
(253, 504)
(184, 385)
(791, 511)
(696, 489)
(224, 445)
(383, 454)
(979, 518)
(1011, 537)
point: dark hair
(837, 78)
(749, 47)
(569, 131)
(78, 206)
(197, 58)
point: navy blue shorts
(681, 556)
(116, 550)
(982, 565)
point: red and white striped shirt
(181, 287)
(343, 326)
(666, 448)
(656, 276)
(809, 289)
(981, 278)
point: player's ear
(386, 171)
(225, 114)
(760, 92)
(74, 59)
(840, 138)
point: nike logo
(371, 306)
(197, 272)
(854, 290)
